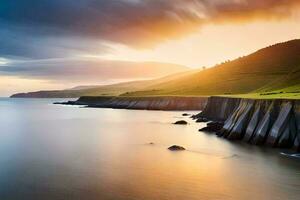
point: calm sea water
(62, 152)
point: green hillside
(272, 72)
(269, 72)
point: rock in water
(176, 148)
(185, 114)
(181, 122)
(212, 127)
(202, 119)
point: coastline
(266, 122)
(142, 103)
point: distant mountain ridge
(83, 87)
(102, 90)
(105, 90)
(166, 71)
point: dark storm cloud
(58, 28)
(30, 42)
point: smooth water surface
(65, 152)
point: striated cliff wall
(275, 123)
(143, 103)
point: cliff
(142, 103)
(275, 123)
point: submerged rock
(185, 114)
(181, 122)
(176, 148)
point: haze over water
(62, 152)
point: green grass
(273, 72)
(292, 92)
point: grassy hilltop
(268, 73)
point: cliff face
(219, 108)
(274, 123)
(143, 103)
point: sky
(56, 44)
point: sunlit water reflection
(62, 152)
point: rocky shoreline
(141, 103)
(267, 122)
(273, 123)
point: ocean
(56, 152)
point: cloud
(18, 43)
(60, 28)
(87, 70)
